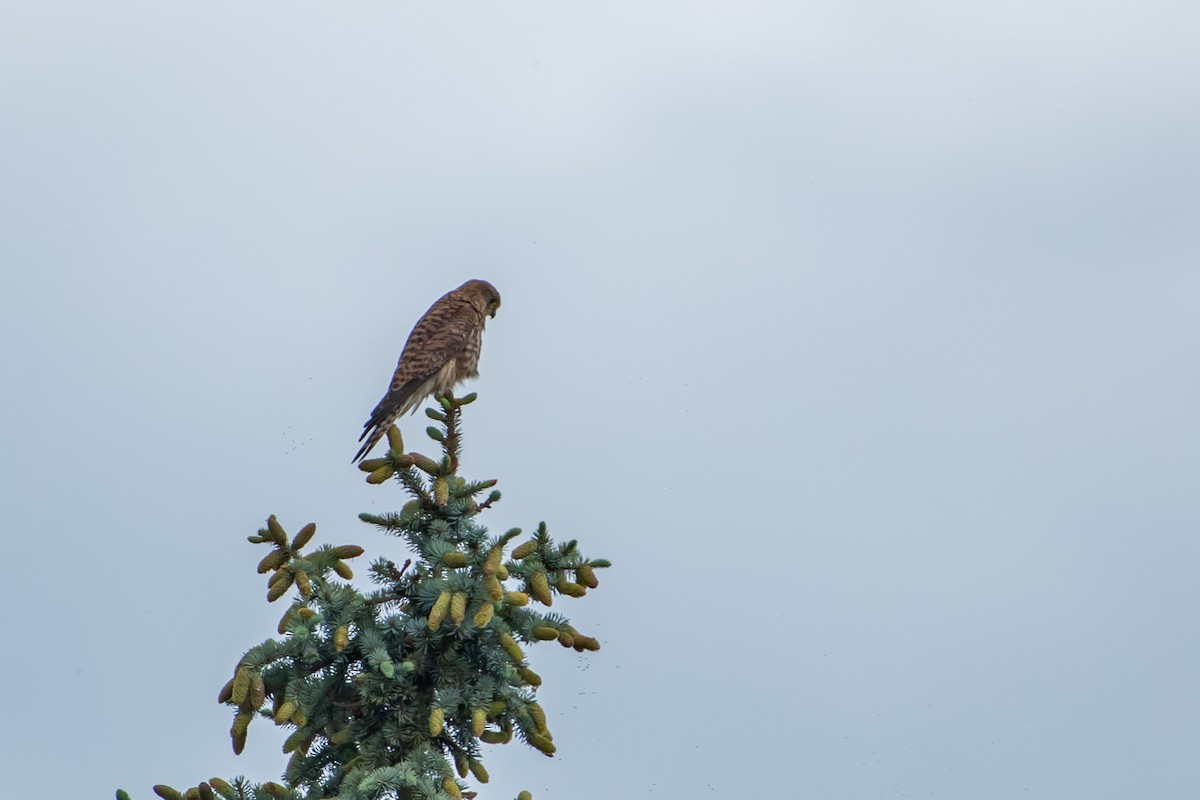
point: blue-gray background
(861, 336)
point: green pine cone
(441, 491)
(517, 599)
(460, 764)
(478, 771)
(220, 785)
(437, 721)
(571, 589)
(587, 576)
(305, 534)
(285, 712)
(539, 716)
(206, 792)
(450, 786)
(372, 464)
(492, 563)
(484, 615)
(525, 550)
(276, 531)
(478, 721)
(343, 570)
(458, 608)
(347, 551)
(539, 587)
(241, 685)
(524, 796)
(511, 647)
(167, 793)
(258, 691)
(438, 612)
(395, 440)
(455, 560)
(529, 676)
(494, 588)
(226, 693)
(545, 633)
(382, 474)
(341, 638)
(272, 560)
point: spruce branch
(392, 694)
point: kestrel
(441, 352)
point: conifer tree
(393, 693)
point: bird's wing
(438, 337)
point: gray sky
(862, 337)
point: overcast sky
(862, 337)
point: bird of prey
(441, 352)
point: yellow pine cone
(502, 572)
(492, 563)
(441, 491)
(587, 576)
(241, 722)
(167, 793)
(524, 796)
(395, 440)
(304, 535)
(511, 647)
(382, 474)
(450, 786)
(571, 589)
(220, 785)
(306, 613)
(342, 736)
(272, 560)
(205, 791)
(460, 764)
(494, 588)
(341, 638)
(541, 743)
(478, 771)
(438, 612)
(539, 717)
(496, 708)
(304, 584)
(525, 550)
(343, 570)
(455, 560)
(278, 535)
(371, 464)
(517, 599)
(529, 676)
(286, 620)
(226, 693)
(494, 737)
(545, 633)
(299, 718)
(296, 741)
(241, 685)
(347, 551)
(478, 721)
(258, 691)
(285, 712)
(484, 615)
(280, 587)
(437, 721)
(539, 587)
(458, 607)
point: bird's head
(489, 295)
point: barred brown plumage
(441, 352)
